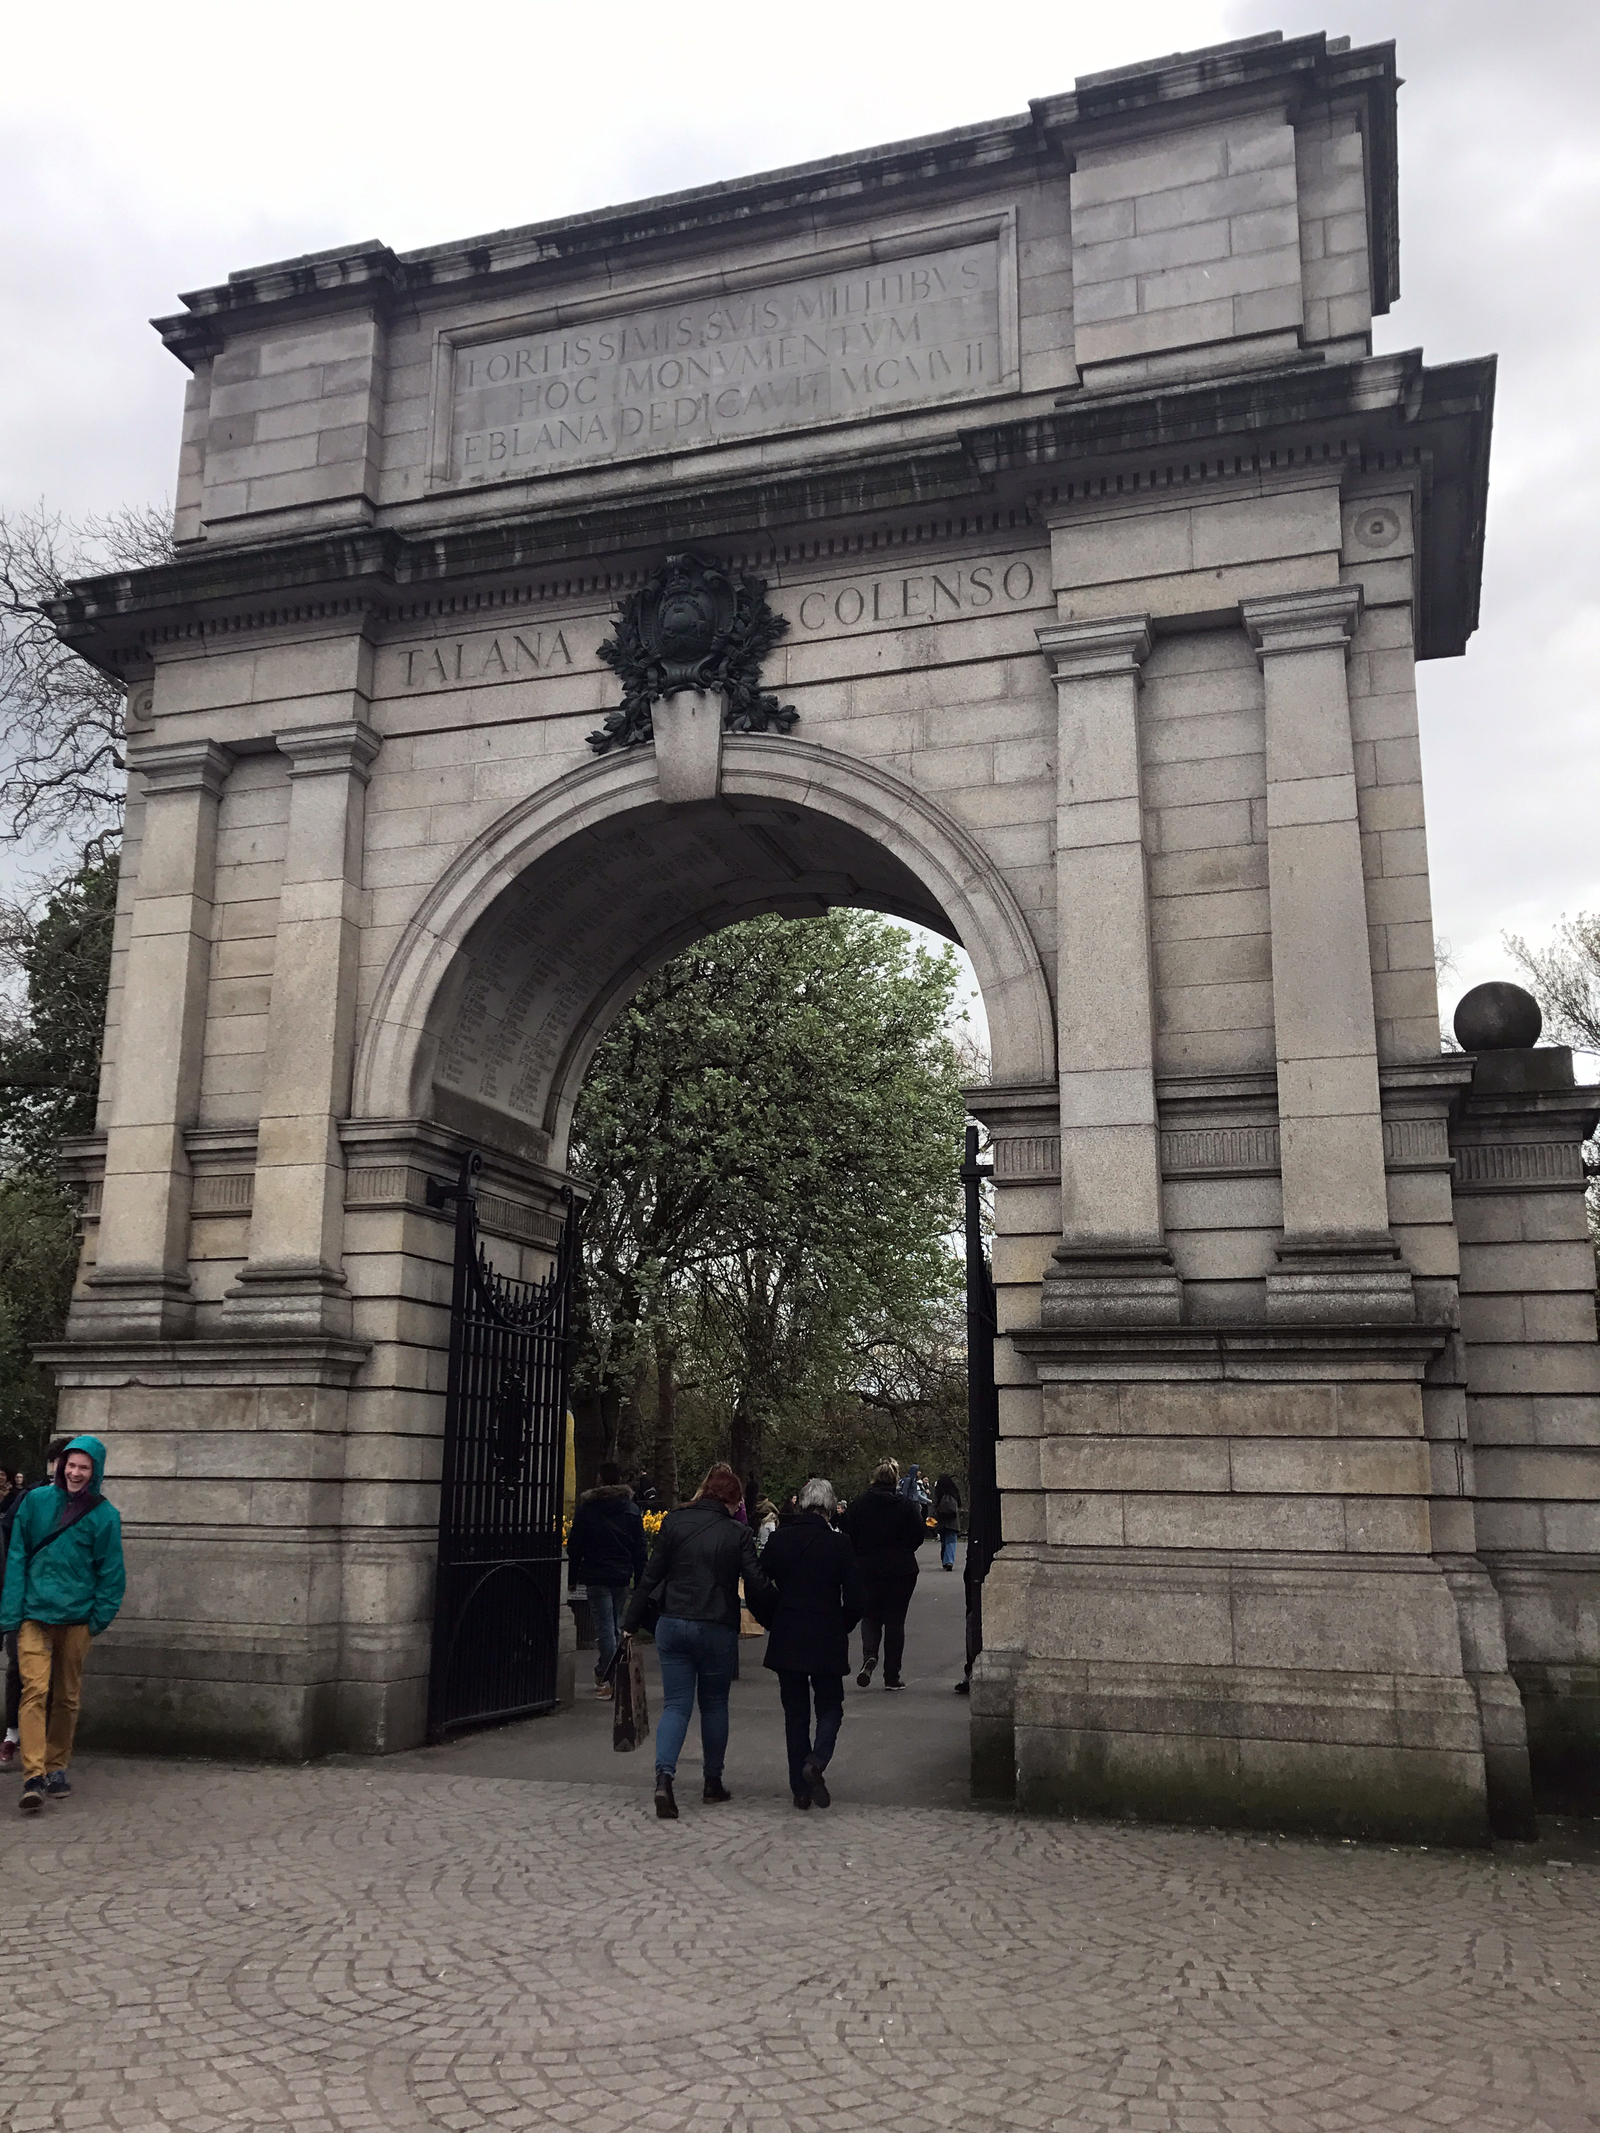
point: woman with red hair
(692, 1578)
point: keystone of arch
(959, 875)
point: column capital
(182, 766)
(347, 745)
(1085, 651)
(1323, 618)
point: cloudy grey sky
(148, 150)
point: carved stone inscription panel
(911, 591)
(827, 348)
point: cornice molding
(1321, 619)
(1258, 1353)
(347, 747)
(172, 767)
(1377, 416)
(1154, 97)
(1090, 651)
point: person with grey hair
(819, 1602)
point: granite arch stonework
(1107, 548)
(910, 860)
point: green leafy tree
(38, 1260)
(56, 960)
(772, 1129)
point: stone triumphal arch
(1069, 512)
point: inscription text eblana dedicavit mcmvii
(825, 349)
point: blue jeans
(947, 1550)
(694, 1655)
(607, 1604)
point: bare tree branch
(62, 768)
(1565, 979)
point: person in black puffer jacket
(701, 1553)
(886, 1531)
(606, 1555)
(819, 1602)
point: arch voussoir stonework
(400, 1040)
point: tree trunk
(610, 1416)
(631, 1417)
(588, 1436)
(665, 1473)
(745, 1455)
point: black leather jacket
(886, 1533)
(700, 1555)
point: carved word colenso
(935, 593)
(693, 625)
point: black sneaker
(802, 1799)
(666, 1805)
(894, 1684)
(811, 1771)
(715, 1790)
(864, 1678)
(57, 1786)
(33, 1796)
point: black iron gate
(983, 1403)
(496, 1615)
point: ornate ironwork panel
(496, 1618)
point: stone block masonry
(1107, 550)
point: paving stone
(335, 1949)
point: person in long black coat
(819, 1601)
(886, 1531)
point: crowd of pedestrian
(809, 1570)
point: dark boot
(666, 1805)
(715, 1790)
(811, 1771)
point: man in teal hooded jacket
(64, 1583)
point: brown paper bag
(630, 1707)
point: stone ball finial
(1497, 1017)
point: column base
(1110, 1284)
(1551, 1605)
(234, 1699)
(1341, 1754)
(1340, 1281)
(1500, 1714)
(1254, 1688)
(295, 1298)
(994, 1730)
(136, 1305)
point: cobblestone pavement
(193, 1946)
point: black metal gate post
(983, 1403)
(496, 1616)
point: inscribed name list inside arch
(826, 349)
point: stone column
(293, 1281)
(1338, 1260)
(1112, 1265)
(140, 1285)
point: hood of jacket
(97, 1454)
(611, 1492)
